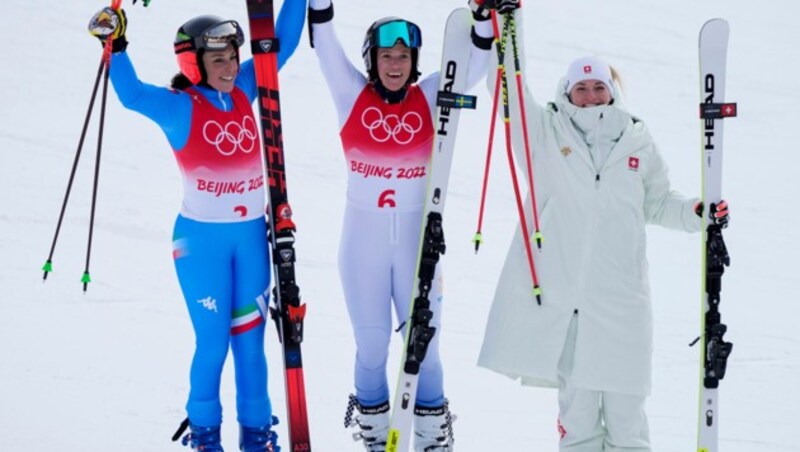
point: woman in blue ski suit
(219, 241)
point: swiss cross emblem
(587, 69)
(633, 163)
(729, 110)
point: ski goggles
(216, 37)
(388, 34)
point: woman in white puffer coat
(599, 180)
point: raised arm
(344, 80)
(289, 28)
(535, 113)
(169, 109)
(482, 38)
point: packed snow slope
(108, 369)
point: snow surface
(108, 369)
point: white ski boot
(433, 429)
(373, 422)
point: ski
(419, 333)
(715, 350)
(287, 310)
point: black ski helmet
(385, 33)
(200, 34)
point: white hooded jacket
(599, 179)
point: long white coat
(599, 179)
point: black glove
(502, 6)
(109, 23)
(481, 8)
(718, 213)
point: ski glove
(480, 8)
(110, 23)
(718, 213)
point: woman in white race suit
(599, 180)
(386, 127)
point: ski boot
(373, 422)
(433, 429)
(259, 439)
(205, 439)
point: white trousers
(377, 264)
(597, 421)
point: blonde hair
(617, 78)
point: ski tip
(716, 24)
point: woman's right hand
(110, 23)
(501, 6)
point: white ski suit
(599, 180)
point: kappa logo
(633, 163)
(209, 303)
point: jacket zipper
(222, 100)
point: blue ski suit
(220, 245)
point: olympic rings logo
(232, 136)
(381, 129)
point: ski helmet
(200, 34)
(385, 33)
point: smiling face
(221, 67)
(394, 66)
(590, 93)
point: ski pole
(537, 291)
(537, 234)
(495, 101)
(102, 67)
(48, 266)
(86, 279)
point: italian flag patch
(245, 319)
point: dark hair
(180, 82)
